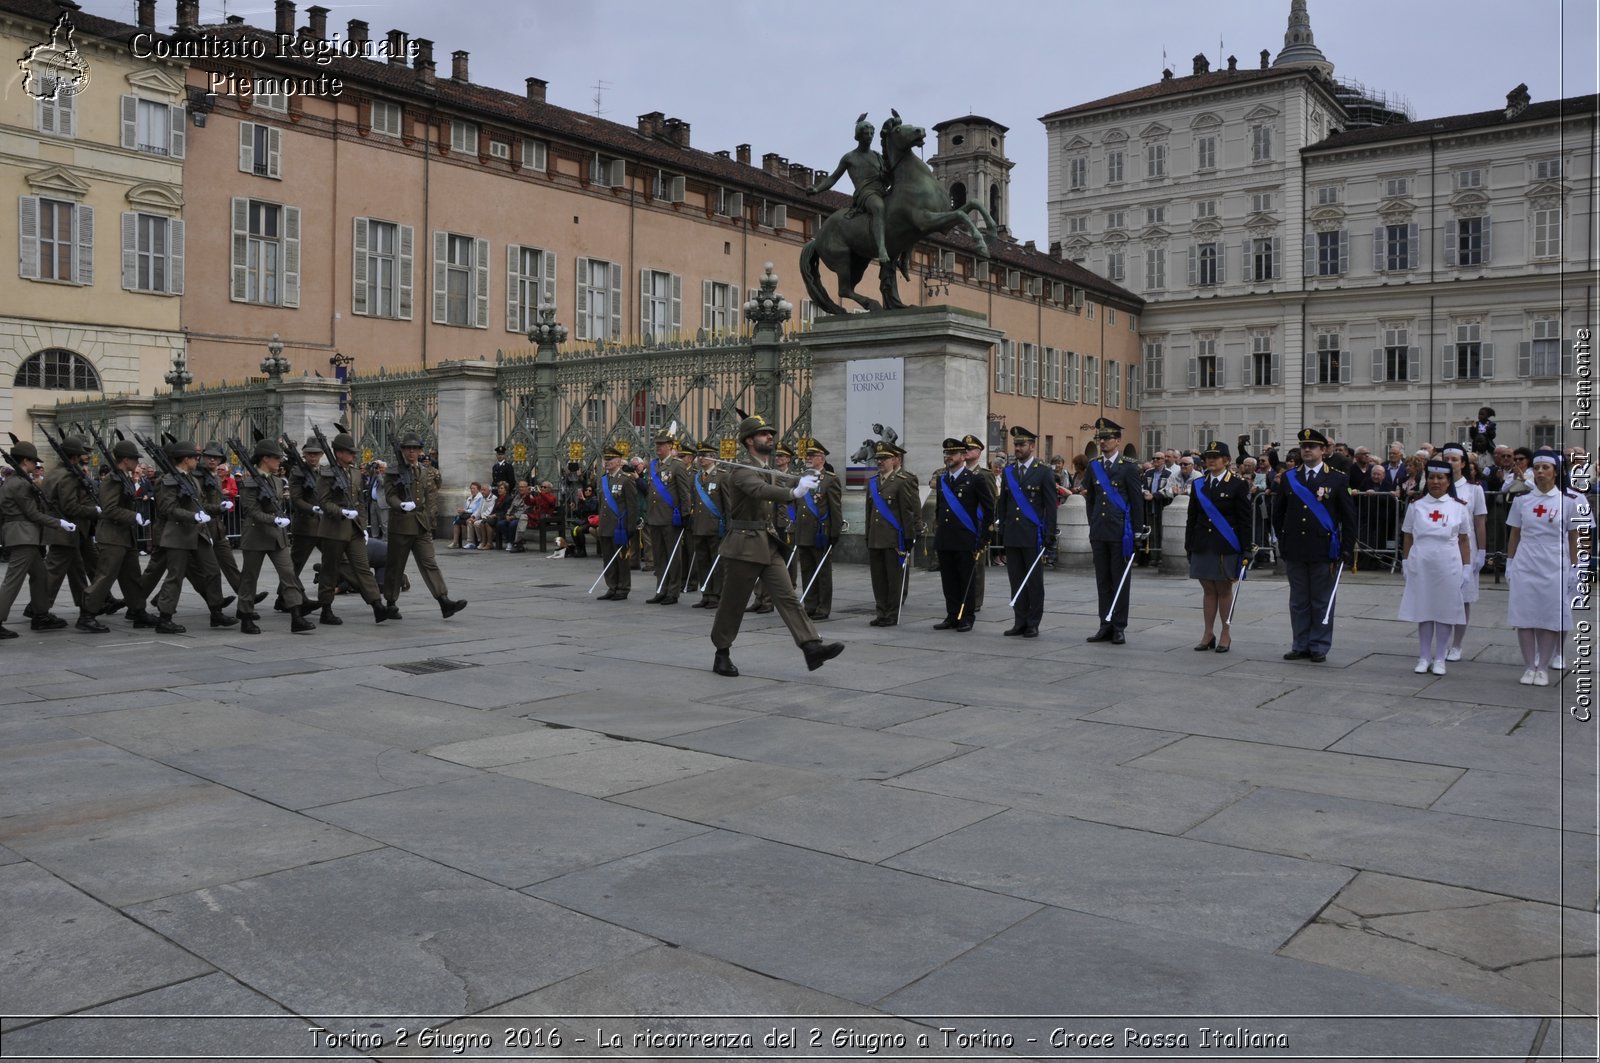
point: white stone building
(1379, 282)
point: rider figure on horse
(870, 176)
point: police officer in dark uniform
(619, 515)
(1027, 517)
(963, 509)
(1216, 537)
(1315, 522)
(975, 452)
(1114, 495)
(818, 523)
(504, 471)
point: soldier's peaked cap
(973, 442)
(612, 452)
(814, 447)
(1020, 433)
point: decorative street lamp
(275, 365)
(179, 377)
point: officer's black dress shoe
(946, 624)
(965, 625)
(1118, 638)
(90, 624)
(7, 633)
(723, 664)
(655, 599)
(608, 596)
(380, 612)
(327, 617)
(46, 622)
(112, 605)
(1317, 658)
(1017, 629)
(1297, 655)
(450, 608)
(1030, 633)
(673, 600)
(817, 652)
(394, 611)
(1103, 635)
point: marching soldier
(1027, 517)
(963, 508)
(670, 490)
(818, 523)
(1315, 523)
(1115, 499)
(306, 526)
(27, 516)
(1216, 537)
(975, 450)
(183, 515)
(264, 535)
(752, 553)
(343, 531)
(66, 488)
(227, 565)
(619, 513)
(119, 557)
(707, 527)
(783, 517)
(894, 505)
(410, 496)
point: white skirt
(1433, 591)
(1540, 595)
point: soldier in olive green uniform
(119, 557)
(306, 520)
(619, 513)
(343, 531)
(783, 518)
(409, 491)
(752, 553)
(183, 514)
(894, 507)
(671, 488)
(73, 495)
(264, 520)
(975, 449)
(218, 506)
(26, 515)
(707, 528)
(818, 523)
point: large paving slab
(790, 913)
(1540, 800)
(185, 726)
(1229, 720)
(641, 715)
(413, 938)
(615, 768)
(1520, 752)
(741, 787)
(811, 746)
(532, 744)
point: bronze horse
(916, 206)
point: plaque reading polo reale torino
(875, 403)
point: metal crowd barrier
(1378, 519)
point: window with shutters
(1471, 241)
(606, 171)
(1206, 373)
(1078, 223)
(1263, 261)
(1133, 387)
(154, 129)
(264, 257)
(1152, 440)
(1206, 271)
(1114, 167)
(1155, 268)
(1071, 378)
(1399, 251)
(1394, 434)
(1027, 369)
(1260, 143)
(57, 117)
(1546, 169)
(55, 369)
(499, 149)
(1091, 380)
(1002, 368)
(463, 136)
(260, 150)
(1547, 232)
(270, 101)
(1396, 353)
(535, 155)
(668, 187)
(1113, 383)
(599, 287)
(381, 260)
(1396, 187)
(1328, 196)
(1205, 153)
(1052, 374)
(1153, 351)
(55, 240)
(1155, 215)
(774, 215)
(386, 118)
(1078, 173)
(720, 307)
(594, 412)
(1205, 208)
(730, 204)
(1116, 266)
(1469, 350)
(1544, 351)
(660, 304)
(153, 258)
(530, 286)
(1544, 437)
(1155, 160)
(1332, 257)
(1466, 179)
(1262, 361)
(458, 279)
(1116, 219)
(1330, 360)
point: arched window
(58, 370)
(958, 195)
(994, 202)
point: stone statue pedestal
(1072, 536)
(1174, 559)
(945, 380)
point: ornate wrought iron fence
(385, 406)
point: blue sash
(1318, 510)
(1216, 518)
(883, 511)
(1121, 503)
(1024, 506)
(722, 525)
(822, 522)
(619, 534)
(666, 496)
(956, 507)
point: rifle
(44, 499)
(61, 452)
(167, 468)
(341, 476)
(297, 464)
(404, 475)
(264, 487)
(128, 487)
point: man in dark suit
(1114, 495)
(1027, 516)
(963, 506)
(1315, 523)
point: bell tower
(971, 164)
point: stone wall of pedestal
(468, 422)
(946, 352)
(309, 401)
(1174, 559)
(1072, 536)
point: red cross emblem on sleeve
(1539, 510)
(1436, 516)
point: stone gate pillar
(468, 422)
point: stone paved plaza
(1009, 838)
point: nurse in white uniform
(1546, 525)
(1477, 534)
(1437, 559)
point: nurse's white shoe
(1438, 668)
(1454, 654)
(1422, 666)
(1541, 678)
(1527, 677)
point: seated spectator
(464, 514)
(492, 515)
(509, 520)
(480, 526)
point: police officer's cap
(1021, 434)
(1106, 428)
(753, 424)
(124, 449)
(1215, 449)
(953, 444)
(75, 446)
(1312, 436)
(500, 450)
(266, 448)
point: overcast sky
(791, 78)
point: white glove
(282, 522)
(317, 510)
(1468, 573)
(141, 520)
(806, 485)
(202, 517)
(349, 514)
(67, 525)
(365, 536)
(227, 506)
(408, 506)
(98, 511)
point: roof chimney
(422, 61)
(397, 47)
(285, 10)
(742, 152)
(358, 33)
(318, 16)
(188, 14)
(536, 89)
(650, 124)
(1166, 73)
(1233, 63)
(458, 66)
(147, 14)
(1266, 59)
(1517, 101)
(774, 164)
(1202, 65)
(799, 173)
(678, 132)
